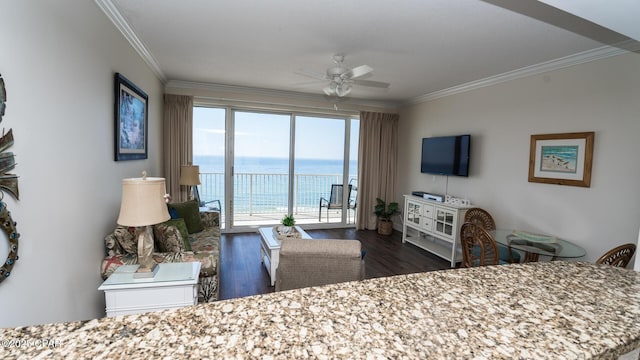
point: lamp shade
(143, 202)
(190, 175)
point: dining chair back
(482, 218)
(619, 256)
(478, 246)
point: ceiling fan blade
(329, 90)
(378, 84)
(312, 74)
(357, 72)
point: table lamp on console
(143, 204)
(190, 176)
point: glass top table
(535, 245)
(168, 274)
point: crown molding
(245, 90)
(113, 13)
(571, 60)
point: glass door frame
(230, 164)
(230, 112)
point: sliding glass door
(262, 166)
(209, 133)
(261, 144)
(319, 169)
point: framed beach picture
(563, 159)
(131, 120)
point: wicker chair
(618, 256)
(482, 218)
(478, 246)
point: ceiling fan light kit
(341, 78)
(339, 89)
(343, 90)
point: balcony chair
(618, 256)
(217, 207)
(482, 218)
(353, 202)
(335, 201)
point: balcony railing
(263, 194)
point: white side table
(175, 285)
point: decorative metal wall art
(8, 183)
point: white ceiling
(420, 47)
(617, 15)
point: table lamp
(190, 176)
(143, 204)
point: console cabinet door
(445, 222)
(414, 213)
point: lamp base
(148, 267)
(145, 273)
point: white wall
(602, 96)
(57, 60)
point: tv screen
(446, 155)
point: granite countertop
(536, 310)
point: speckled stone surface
(556, 310)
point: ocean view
(253, 165)
(261, 184)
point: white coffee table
(270, 249)
(174, 285)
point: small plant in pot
(287, 224)
(384, 213)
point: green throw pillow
(182, 228)
(190, 212)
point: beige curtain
(178, 142)
(377, 153)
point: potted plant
(384, 213)
(288, 222)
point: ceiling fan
(341, 78)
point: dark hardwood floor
(242, 272)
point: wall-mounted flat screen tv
(446, 155)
